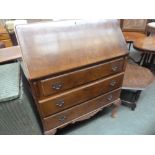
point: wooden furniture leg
(142, 59)
(130, 43)
(131, 99)
(136, 79)
(115, 109)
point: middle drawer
(81, 94)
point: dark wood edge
(139, 31)
(131, 41)
(7, 61)
(121, 23)
(143, 50)
(25, 68)
(83, 117)
(125, 63)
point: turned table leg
(115, 109)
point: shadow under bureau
(75, 68)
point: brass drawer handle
(109, 98)
(60, 103)
(62, 118)
(114, 68)
(57, 86)
(113, 83)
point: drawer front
(4, 36)
(79, 110)
(68, 99)
(77, 78)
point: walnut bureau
(75, 68)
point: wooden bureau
(75, 68)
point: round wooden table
(130, 37)
(133, 36)
(136, 79)
(146, 45)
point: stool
(130, 37)
(136, 79)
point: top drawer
(77, 78)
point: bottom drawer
(66, 116)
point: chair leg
(152, 59)
(137, 94)
(141, 59)
(152, 63)
(135, 99)
(130, 45)
(131, 103)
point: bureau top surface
(53, 47)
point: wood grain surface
(10, 54)
(66, 81)
(84, 108)
(53, 47)
(133, 36)
(146, 44)
(137, 77)
(81, 94)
